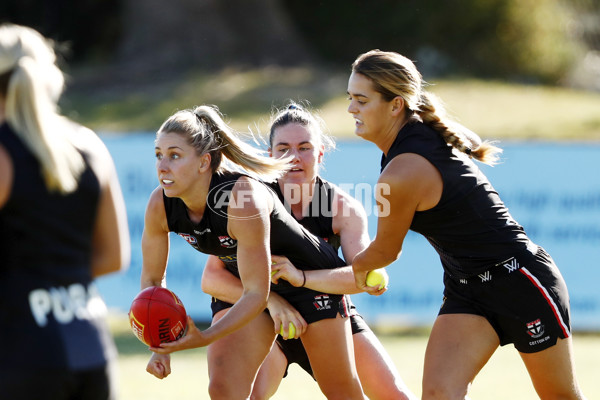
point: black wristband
(303, 280)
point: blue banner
(550, 189)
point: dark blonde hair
(295, 113)
(394, 75)
(206, 131)
(31, 84)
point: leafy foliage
(523, 39)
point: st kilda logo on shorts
(322, 302)
(535, 329)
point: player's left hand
(193, 338)
(284, 269)
(360, 279)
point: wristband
(304, 278)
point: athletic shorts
(311, 305)
(524, 298)
(294, 350)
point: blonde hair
(31, 84)
(207, 132)
(394, 75)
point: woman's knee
(223, 388)
(439, 390)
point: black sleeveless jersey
(318, 216)
(210, 236)
(50, 312)
(470, 227)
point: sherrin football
(157, 316)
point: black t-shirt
(318, 215)
(210, 236)
(50, 312)
(470, 227)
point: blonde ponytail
(207, 132)
(394, 75)
(34, 85)
(432, 113)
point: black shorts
(294, 350)
(311, 305)
(524, 298)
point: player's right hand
(159, 365)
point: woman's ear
(204, 162)
(321, 153)
(397, 105)
(269, 150)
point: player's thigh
(552, 372)
(237, 356)
(377, 372)
(270, 374)
(329, 346)
(458, 347)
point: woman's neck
(298, 197)
(195, 199)
(387, 138)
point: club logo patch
(322, 302)
(535, 329)
(227, 242)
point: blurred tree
(85, 29)
(524, 39)
(208, 34)
(534, 40)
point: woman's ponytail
(31, 112)
(207, 132)
(432, 113)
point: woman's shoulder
(345, 204)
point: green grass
(494, 110)
(504, 377)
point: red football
(157, 316)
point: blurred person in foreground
(328, 212)
(62, 224)
(210, 195)
(500, 287)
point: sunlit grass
(511, 111)
(495, 110)
(504, 377)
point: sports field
(492, 109)
(504, 377)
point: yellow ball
(378, 278)
(291, 331)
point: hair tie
(468, 151)
(293, 107)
